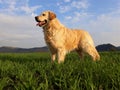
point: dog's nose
(36, 18)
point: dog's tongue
(40, 23)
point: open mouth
(41, 23)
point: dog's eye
(43, 14)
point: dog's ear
(52, 15)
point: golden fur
(61, 40)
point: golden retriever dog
(61, 39)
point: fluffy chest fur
(53, 37)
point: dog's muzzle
(40, 23)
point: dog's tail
(91, 50)
(97, 56)
(94, 54)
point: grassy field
(34, 71)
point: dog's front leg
(61, 55)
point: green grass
(34, 71)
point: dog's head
(44, 18)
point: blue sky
(101, 18)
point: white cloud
(79, 15)
(18, 28)
(29, 10)
(77, 19)
(73, 5)
(17, 6)
(106, 29)
(80, 4)
(68, 17)
(20, 31)
(67, 0)
(64, 9)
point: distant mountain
(107, 47)
(20, 50)
(118, 47)
(102, 47)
